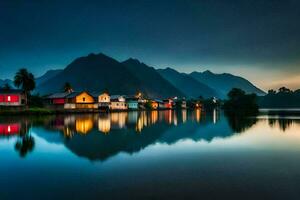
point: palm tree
(68, 87)
(25, 80)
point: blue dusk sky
(259, 40)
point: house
(104, 101)
(80, 100)
(168, 103)
(156, 104)
(132, 103)
(118, 102)
(183, 104)
(57, 100)
(12, 97)
(180, 104)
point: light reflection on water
(158, 154)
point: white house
(104, 101)
(118, 102)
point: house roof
(10, 91)
(58, 95)
(157, 100)
(132, 99)
(115, 98)
(74, 94)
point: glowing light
(104, 125)
(84, 125)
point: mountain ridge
(186, 84)
(97, 72)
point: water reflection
(100, 136)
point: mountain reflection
(101, 136)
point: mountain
(223, 83)
(6, 81)
(94, 73)
(154, 84)
(187, 84)
(48, 75)
(97, 72)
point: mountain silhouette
(187, 84)
(223, 83)
(154, 84)
(6, 81)
(48, 75)
(97, 72)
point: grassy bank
(26, 111)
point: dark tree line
(283, 98)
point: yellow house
(104, 98)
(104, 101)
(80, 100)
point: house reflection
(10, 129)
(84, 124)
(154, 116)
(13, 128)
(184, 115)
(198, 114)
(175, 121)
(141, 122)
(104, 123)
(168, 116)
(118, 119)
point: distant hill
(48, 75)
(153, 83)
(6, 81)
(187, 84)
(97, 72)
(223, 83)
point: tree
(235, 93)
(68, 87)
(241, 103)
(284, 90)
(271, 91)
(25, 80)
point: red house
(57, 98)
(168, 103)
(56, 101)
(12, 97)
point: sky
(259, 40)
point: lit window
(8, 98)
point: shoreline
(46, 111)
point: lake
(150, 155)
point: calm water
(150, 155)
